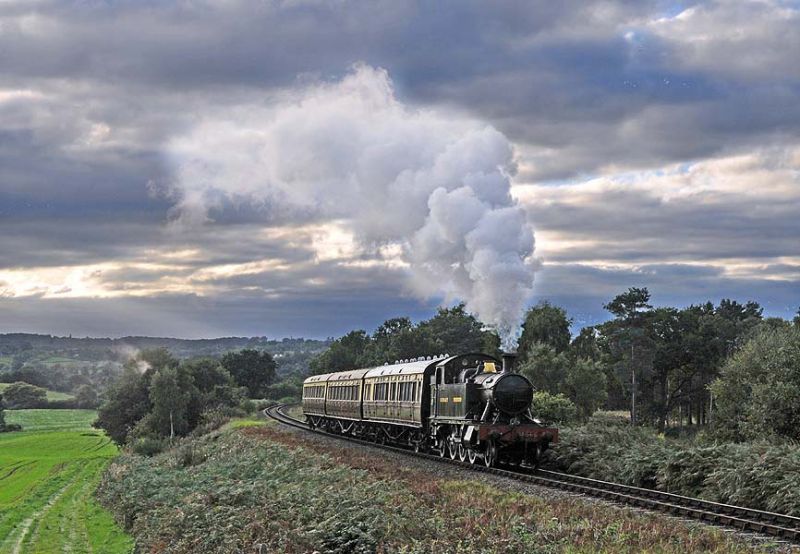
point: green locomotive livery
(471, 407)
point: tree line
(451, 330)
(666, 366)
(159, 397)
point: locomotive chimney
(508, 361)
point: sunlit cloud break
(432, 185)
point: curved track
(745, 519)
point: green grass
(52, 420)
(48, 474)
(51, 394)
(240, 422)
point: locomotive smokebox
(509, 359)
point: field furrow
(49, 477)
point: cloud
(434, 185)
(730, 208)
(644, 135)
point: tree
(128, 399)
(347, 352)
(629, 303)
(213, 388)
(545, 368)
(454, 331)
(758, 390)
(170, 395)
(24, 395)
(285, 388)
(629, 334)
(796, 320)
(252, 369)
(86, 397)
(585, 385)
(585, 345)
(2, 414)
(396, 339)
(553, 408)
(128, 402)
(545, 324)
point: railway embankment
(266, 489)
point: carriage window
(393, 392)
(406, 394)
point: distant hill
(80, 356)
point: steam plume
(436, 184)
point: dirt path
(21, 531)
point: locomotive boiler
(472, 407)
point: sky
(304, 168)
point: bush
(553, 408)
(247, 406)
(758, 391)
(212, 420)
(757, 475)
(10, 427)
(21, 395)
(149, 446)
(629, 455)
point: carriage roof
(405, 367)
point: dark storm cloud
(605, 82)
(90, 92)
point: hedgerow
(759, 475)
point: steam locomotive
(471, 407)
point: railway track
(744, 519)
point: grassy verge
(47, 478)
(259, 489)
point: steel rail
(745, 519)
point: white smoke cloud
(435, 184)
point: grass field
(48, 474)
(51, 394)
(52, 420)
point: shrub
(23, 395)
(758, 391)
(248, 406)
(757, 475)
(629, 455)
(553, 408)
(149, 446)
